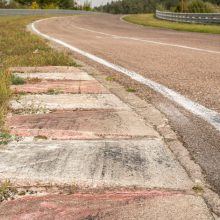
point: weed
(54, 91)
(7, 191)
(33, 80)
(20, 93)
(5, 138)
(33, 108)
(110, 78)
(130, 89)
(22, 193)
(71, 189)
(198, 189)
(16, 80)
(41, 137)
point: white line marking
(148, 41)
(208, 115)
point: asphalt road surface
(187, 63)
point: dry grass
(150, 20)
(4, 95)
(21, 48)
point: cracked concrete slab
(108, 206)
(61, 86)
(144, 163)
(68, 101)
(81, 124)
(56, 75)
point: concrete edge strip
(206, 114)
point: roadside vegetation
(149, 6)
(45, 4)
(4, 97)
(21, 48)
(150, 20)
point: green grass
(5, 138)
(19, 47)
(130, 89)
(16, 80)
(150, 20)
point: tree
(64, 4)
(34, 5)
(86, 6)
(3, 3)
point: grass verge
(21, 48)
(4, 95)
(150, 20)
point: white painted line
(208, 115)
(148, 41)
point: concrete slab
(62, 86)
(81, 124)
(108, 206)
(68, 101)
(45, 69)
(142, 163)
(56, 75)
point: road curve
(188, 63)
(175, 67)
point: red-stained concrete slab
(61, 86)
(79, 124)
(144, 205)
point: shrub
(197, 6)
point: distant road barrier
(204, 18)
(11, 12)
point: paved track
(187, 63)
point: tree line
(149, 6)
(45, 4)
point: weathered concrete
(68, 101)
(108, 206)
(86, 143)
(56, 75)
(81, 124)
(144, 163)
(61, 86)
(46, 69)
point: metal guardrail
(203, 18)
(11, 12)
